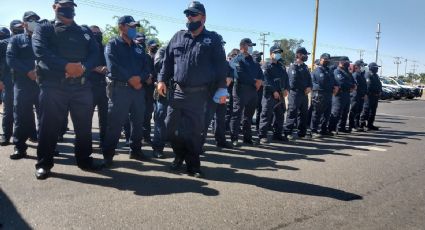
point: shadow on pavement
(9, 216)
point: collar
(189, 34)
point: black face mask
(18, 31)
(192, 26)
(325, 64)
(98, 37)
(346, 65)
(258, 59)
(66, 12)
(304, 58)
(153, 50)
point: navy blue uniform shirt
(193, 62)
(323, 80)
(56, 44)
(275, 77)
(94, 76)
(5, 75)
(344, 80)
(247, 69)
(374, 85)
(299, 78)
(359, 78)
(20, 57)
(125, 61)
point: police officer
(300, 86)
(98, 83)
(276, 85)
(217, 110)
(324, 86)
(248, 80)
(16, 27)
(152, 47)
(21, 59)
(257, 56)
(127, 72)
(160, 110)
(65, 53)
(229, 109)
(195, 59)
(374, 89)
(4, 34)
(357, 97)
(341, 100)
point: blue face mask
(277, 56)
(132, 33)
(250, 49)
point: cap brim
(252, 44)
(193, 10)
(62, 2)
(134, 24)
(17, 25)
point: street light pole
(315, 35)
(378, 36)
(397, 62)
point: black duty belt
(191, 89)
(118, 83)
(74, 81)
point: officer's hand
(135, 82)
(74, 70)
(149, 81)
(258, 84)
(101, 70)
(32, 75)
(365, 97)
(336, 89)
(223, 100)
(229, 81)
(307, 91)
(162, 88)
(1, 86)
(276, 95)
(285, 93)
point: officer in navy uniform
(258, 58)
(195, 59)
(4, 34)
(160, 110)
(20, 57)
(16, 27)
(229, 109)
(65, 53)
(127, 72)
(248, 80)
(357, 97)
(275, 89)
(374, 89)
(324, 86)
(217, 111)
(300, 86)
(98, 83)
(152, 48)
(341, 100)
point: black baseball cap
(195, 7)
(65, 1)
(152, 42)
(360, 63)
(129, 20)
(302, 50)
(30, 14)
(247, 41)
(16, 24)
(257, 53)
(373, 65)
(344, 59)
(5, 31)
(325, 56)
(276, 48)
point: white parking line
(386, 114)
(371, 148)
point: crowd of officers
(59, 68)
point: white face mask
(277, 56)
(250, 49)
(31, 26)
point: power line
(263, 42)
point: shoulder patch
(87, 36)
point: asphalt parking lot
(371, 180)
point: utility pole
(378, 36)
(382, 66)
(361, 52)
(397, 62)
(263, 42)
(414, 67)
(405, 67)
(316, 24)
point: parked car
(397, 90)
(387, 93)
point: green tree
(150, 31)
(289, 47)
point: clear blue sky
(345, 26)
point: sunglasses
(192, 14)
